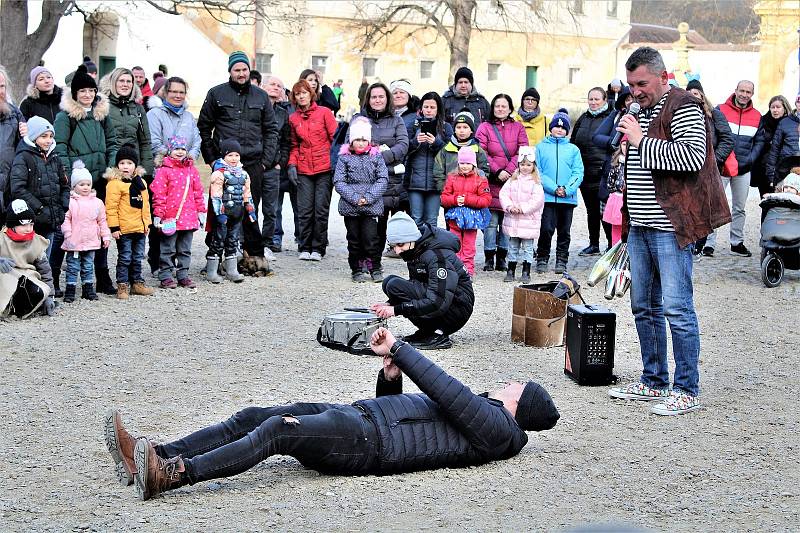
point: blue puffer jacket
(785, 148)
(419, 168)
(559, 164)
(446, 426)
(360, 176)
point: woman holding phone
(429, 134)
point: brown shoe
(140, 289)
(120, 445)
(122, 291)
(155, 475)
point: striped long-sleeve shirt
(686, 153)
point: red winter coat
(311, 134)
(473, 187)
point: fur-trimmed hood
(75, 110)
(32, 92)
(113, 173)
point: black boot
(561, 264)
(526, 272)
(104, 283)
(87, 293)
(69, 294)
(488, 262)
(500, 259)
(512, 267)
(57, 292)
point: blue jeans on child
(424, 206)
(130, 252)
(661, 286)
(520, 250)
(82, 262)
(493, 236)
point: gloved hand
(251, 212)
(291, 172)
(399, 169)
(201, 218)
(222, 218)
(50, 306)
(6, 264)
(384, 147)
(157, 222)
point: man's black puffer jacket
(448, 286)
(446, 426)
(240, 112)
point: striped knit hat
(238, 57)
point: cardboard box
(538, 318)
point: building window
(264, 63)
(611, 8)
(368, 66)
(577, 7)
(319, 63)
(425, 69)
(493, 71)
(574, 76)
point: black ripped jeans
(329, 438)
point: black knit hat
(18, 213)
(531, 91)
(81, 80)
(465, 117)
(128, 151)
(694, 84)
(230, 145)
(536, 410)
(464, 72)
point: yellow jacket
(536, 129)
(121, 215)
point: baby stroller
(780, 236)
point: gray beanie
(37, 126)
(401, 228)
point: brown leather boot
(120, 445)
(122, 291)
(155, 475)
(140, 289)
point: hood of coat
(153, 102)
(345, 149)
(100, 107)
(78, 198)
(113, 173)
(619, 103)
(55, 97)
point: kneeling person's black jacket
(446, 426)
(434, 263)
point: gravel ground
(172, 366)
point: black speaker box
(589, 357)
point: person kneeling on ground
(26, 280)
(445, 426)
(438, 298)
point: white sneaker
(268, 255)
(638, 391)
(678, 403)
(315, 256)
(304, 256)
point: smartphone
(428, 126)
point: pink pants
(467, 238)
(616, 233)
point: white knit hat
(793, 181)
(403, 85)
(79, 173)
(526, 151)
(361, 128)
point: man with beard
(462, 94)
(12, 129)
(241, 111)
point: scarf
(527, 116)
(455, 141)
(19, 237)
(599, 110)
(135, 192)
(178, 110)
(222, 166)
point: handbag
(170, 226)
(502, 143)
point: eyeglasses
(529, 99)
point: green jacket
(90, 138)
(129, 121)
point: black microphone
(632, 110)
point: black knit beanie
(464, 72)
(230, 145)
(128, 151)
(694, 84)
(531, 91)
(81, 80)
(536, 410)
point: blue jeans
(330, 438)
(130, 252)
(83, 262)
(520, 250)
(55, 255)
(493, 236)
(661, 287)
(424, 206)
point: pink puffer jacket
(167, 190)
(527, 195)
(85, 227)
